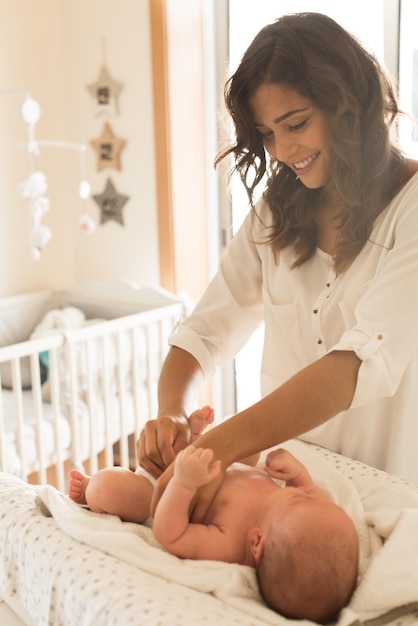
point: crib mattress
(61, 572)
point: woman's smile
(302, 166)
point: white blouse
(372, 309)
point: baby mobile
(35, 186)
(108, 146)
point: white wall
(54, 48)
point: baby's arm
(282, 464)
(193, 468)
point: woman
(328, 259)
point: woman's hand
(180, 380)
(160, 441)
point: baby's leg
(114, 490)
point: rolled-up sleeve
(385, 333)
(373, 373)
(230, 309)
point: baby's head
(310, 560)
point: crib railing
(101, 386)
(13, 356)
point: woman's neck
(327, 220)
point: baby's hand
(193, 467)
(283, 465)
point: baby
(303, 546)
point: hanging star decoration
(108, 148)
(106, 93)
(111, 204)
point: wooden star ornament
(106, 92)
(111, 204)
(108, 148)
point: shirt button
(315, 311)
(319, 341)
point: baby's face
(309, 501)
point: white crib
(100, 384)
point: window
(408, 75)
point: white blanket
(385, 514)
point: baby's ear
(256, 542)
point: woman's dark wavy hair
(312, 54)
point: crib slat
(3, 465)
(76, 456)
(136, 380)
(121, 387)
(88, 349)
(54, 382)
(148, 344)
(106, 386)
(38, 412)
(17, 389)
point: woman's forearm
(161, 438)
(180, 381)
(308, 399)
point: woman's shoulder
(408, 183)
(410, 173)
(412, 167)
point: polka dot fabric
(62, 582)
(358, 472)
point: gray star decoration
(111, 204)
(106, 92)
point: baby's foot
(77, 486)
(201, 418)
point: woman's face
(294, 132)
